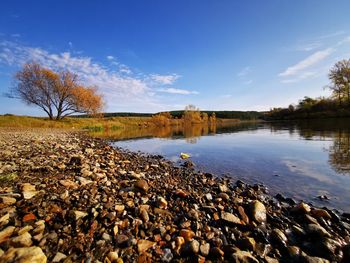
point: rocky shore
(66, 197)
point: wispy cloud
(308, 46)
(307, 62)
(118, 85)
(15, 35)
(110, 57)
(344, 41)
(244, 76)
(311, 66)
(331, 35)
(178, 91)
(300, 77)
(316, 42)
(245, 71)
(165, 79)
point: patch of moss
(8, 177)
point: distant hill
(243, 115)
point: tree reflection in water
(339, 152)
(190, 132)
(337, 130)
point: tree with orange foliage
(58, 94)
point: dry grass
(73, 123)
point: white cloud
(178, 91)
(110, 57)
(308, 46)
(300, 77)
(332, 35)
(15, 35)
(344, 41)
(119, 90)
(165, 79)
(307, 62)
(245, 71)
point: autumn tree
(340, 78)
(162, 119)
(212, 118)
(59, 94)
(192, 114)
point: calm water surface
(300, 160)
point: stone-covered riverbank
(66, 197)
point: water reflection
(335, 131)
(339, 153)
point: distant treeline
(242, 115)
(309, 108)
(337, 105)
(118, 114)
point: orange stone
(29, 217)
(187, 234)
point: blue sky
(149, 56)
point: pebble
(204, 249)
(24, 255)
(6, 233)
(122, 240)
(208, 196)
(59, 257)
(216, 253)
(278, 236)
(28, 191)
(301, 208)
(187, 234)
(317, 231)
(244, 257)
(167, 255)
(194, 246)
(84, 181)
(230, 218)
(143, 245)
(258, 211)
(320, 213)
(162, 203)
(247, 243)
(8, 200)
(119, 208)
(142, 185)
(80, 214)
(223, 188)
(24, 240)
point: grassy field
(91, 124)
(73, 123)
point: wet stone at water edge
(71, 198)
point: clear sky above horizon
(150, 56)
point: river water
(302, 160)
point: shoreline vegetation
(67, 197)
(335, 106)
(110, 122)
